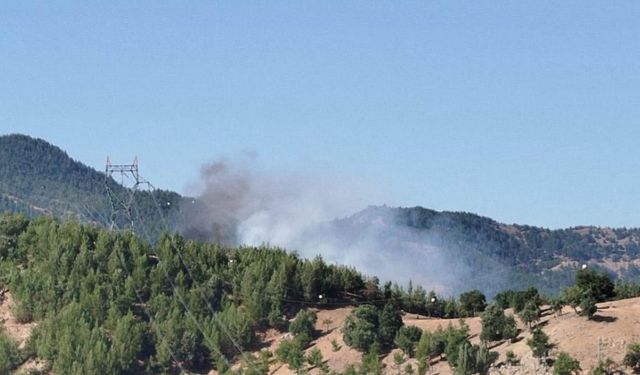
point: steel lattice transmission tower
(122, 198)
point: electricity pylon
(121, 198)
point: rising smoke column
(237, 203)
(240, 204)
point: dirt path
(18, 331)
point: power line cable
(128, 212)
(214, 314)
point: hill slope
(456, 249)
(39, 178)
(586, 340)
(107, 302)
(445, 250)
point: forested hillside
(107, 299)
(38, 178)
(470, 245)
(533, 248)
(109, 302)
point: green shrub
(632, 358)
(9, 354)
(539, 344)
(565, 365)
(303, 323)
(407, 338)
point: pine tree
(127, 343)
(484, 359)
(539, 344)
(464, 364)
(314, 358)
(530, 313)
(390, 322)
(371, 363)
(407, 338)
(493, 323)
(588, 307)
(360, 330)
(565, 365)
(304, 323)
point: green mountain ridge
(39, 178)
(517, 256)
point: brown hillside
(616, 325)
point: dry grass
(617, 324)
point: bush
(367, 326)
(315, 358)
(473, 359)
(361, 328)
(539, 344)
(496, 325)
(604, 367)
(632, 358)
(291, 352)
(597, 285)
(530, 313)
(556, 305)
(624, 290)
(512, 359)
(472, 302)
(22, 313)
(335, 346)
(431, 344)
(565, 365)
(408, 369)
(9, 353)
(303, 323)
(588, 307)
(407, 338)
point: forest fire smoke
(240, 204)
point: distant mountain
(37, 178)
(463, 250)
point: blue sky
(527, 112)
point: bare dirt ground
(18, 331)
(616, 325)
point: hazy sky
(527, 112)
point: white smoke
(239, 203)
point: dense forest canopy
(106, 299)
